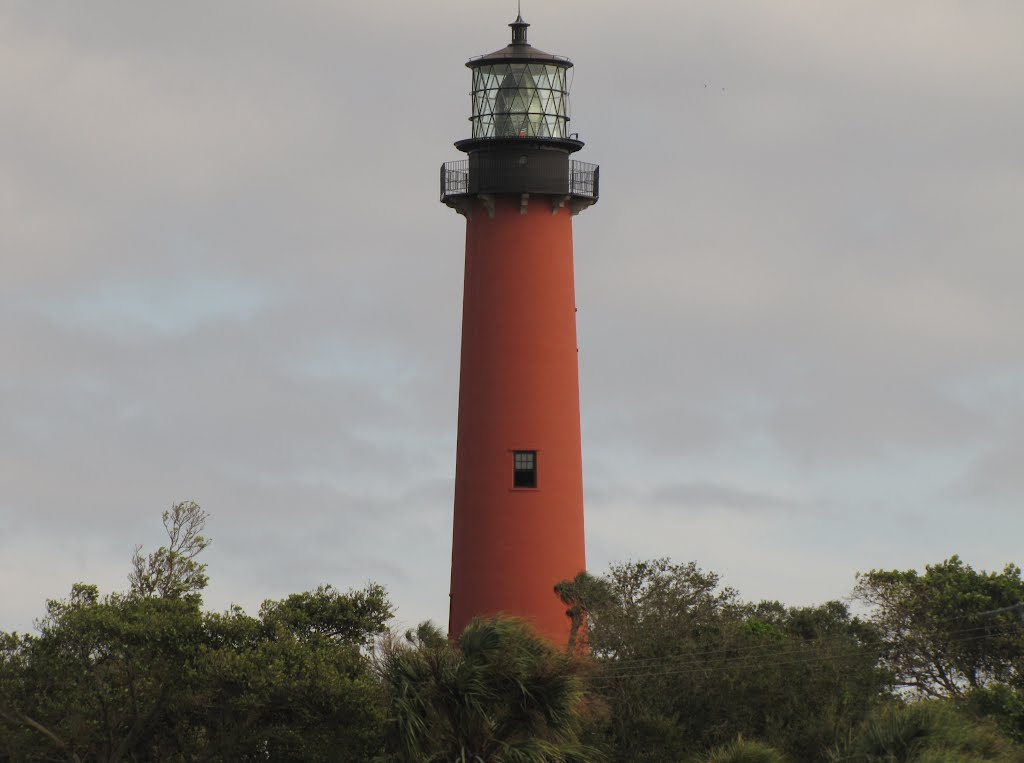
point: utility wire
(754, 650)
(792, 659)
(614, 672)
(769, 649)
(1018, 608)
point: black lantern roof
(519, 50)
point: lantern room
(520, 142)
(520, 92)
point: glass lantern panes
(520, 100)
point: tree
(102, 678)
(950, 630)
(684, 666)
(172, 570)
(274, 688)
(582, 595)
(147, 675)
(500, 694)
(355, 617)
(645, 638)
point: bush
(742, 751)
(926, 732)
(999, 704)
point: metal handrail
(582, 179)
(454, 178)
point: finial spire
(519, 27)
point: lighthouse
(518, 521)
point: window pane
(524, 469)
(511, 100)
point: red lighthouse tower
(518, 526)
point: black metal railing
(454, 178)
(576, 179)
(583, 179)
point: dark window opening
(524, 468)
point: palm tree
(582, 595)
(930, 731)
(500, 694)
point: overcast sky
(225, 276)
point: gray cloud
(225, 276)
(708, 497)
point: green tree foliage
(684, 666)
(925, 732)
(500, 694)
(581, 595)
(324, 614)
(1001, 704)
(172, 571)
(148, 675)
(663, 664)
(939, 640)
(272, 690)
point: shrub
(742, 751)
(925, 732)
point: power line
(754, 650)
(711, 668)
(1018, 608)
(624, 669)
